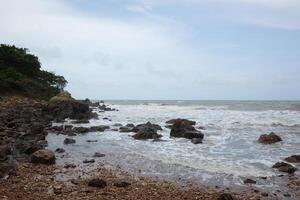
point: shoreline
(20, 130)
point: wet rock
(99, 128)
(138, 127)
(117, 124)
(284, 167)
(125, 129)
(146, 131)
(98, 155)
(44, 156)
(81, 129)
(182, 128)
(81, 121)
(186, 121)
(130, 125)
(69, 165)
(71, 134)
(89, 161)
(249, 181)
(293, 159)
(269, 138)
(92, 140)
(196, 140)
(69, 141)
(99, 183)
(225, 196)
(264, 194)
(121, 183)
(60, 150)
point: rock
(99, 155)
(196, 140)
(146, 131)
(64, 106)
(81, 129)
(44, 156)
(89, 161)
(71, 134)
(125, 129)
(186, 121)
(293, 159)
(269, 139)
(285, 167)
(69, 165)
(121, 183)
(182, 128)
(130, 125)
(82, 121)
(99, 128)
(57, 189)
(225, 196)
(117, 124)
(92, 140)
(99, 183)
(264, 194)
(155, 127)
(59, 150)
(69, 141)
(249, 181)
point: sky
(163, 49)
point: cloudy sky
(163, 49)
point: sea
(230, 151)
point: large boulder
(147, 131)
(269, 138)
(189, 122)
(64, 106)
(43, 156)
(99, 183)
(182, 128)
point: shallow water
(229, 152)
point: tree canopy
(21, 74)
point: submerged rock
(69, 141)
(98, 155)
(89, 161)
(60, 150)
(284, 167)
(44, 156)
(196, 140)
(99, 183)
(293, 159)
(249, 181)
(125, 129)
(182, 128)
(269, 138)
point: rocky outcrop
(43, 156)
(284, 167)
(183, 128)
(64, 106)
(171, 122)
(293, 159)
(269, 138)
(146, 131)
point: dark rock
(293, 159)
(186, 121)
(121, 183)
(69, 165)
(130, 125)
(99, 183)
(146, 131)
(285, 167)
(71, 134)
(249, 181)
(138, 127)
(269, 138)
(44, 156)
(117, 124)
(99, 155)
(182, 128)
(89, 161)
(196, 140)
(264, 194)
(225, 196)
(125, 129)
(81, 121)
(81, 129)
(92, 140)
(69, 141)
(99, 128)
(59, 150)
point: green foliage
(21, 74)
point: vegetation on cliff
(21, 74)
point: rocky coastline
(25, 123)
